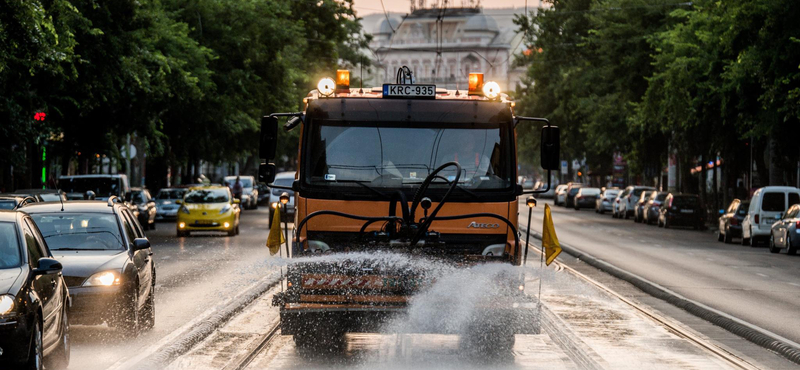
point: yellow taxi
(208, 208)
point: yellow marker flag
(275, 238)
(549, 238)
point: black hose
(421, 191)
(346, 215)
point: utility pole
(128, 157)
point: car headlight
(105, 278)
(225, 209)
(185, 210)
(6, 304)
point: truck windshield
(397, 154)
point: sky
(364, 7)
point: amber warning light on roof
(342, 79)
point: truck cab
(401, 168)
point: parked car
(34, 299)
(166, 209)
(282, 179)
(628, 200)
(653, 206)
(41, 195)
(572, 191)
(766, 206)
(638, 211)
(107, 259)
(263, 193)
(208, 208)
(249, 191)
(681, 210)
(103, 186)
(585, 198)
(730, 223)
(561, 195)
(145, 205)
(12, 202)
(783, 233)
(550, 193)
(605, 202)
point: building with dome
(442, 46)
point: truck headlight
(105, 278)
(6, 304)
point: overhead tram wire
(387, 17)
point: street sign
(133, 151)
(564, 168)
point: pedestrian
(237, 189)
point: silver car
(784, 232)
(166, 208)
(605, 201)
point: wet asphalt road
(192, 275)
(747, 282)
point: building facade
(442, 46)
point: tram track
(721, 353)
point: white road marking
(762, 275)
(166, 257)
(795, 284)
(657, 245)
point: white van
(766, 207)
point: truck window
(397, 154)
(773, 202)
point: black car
(145, 205)
(42, 195)
(108, 263)
(34, 300)
(638, 212)
(681, 210)
(570, 198)
(12, 202)
(653, 206)
(730, 223)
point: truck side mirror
(551, 147)
(268, 139)
(266, 173)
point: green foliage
(192, 79)
(636, 75)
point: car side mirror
(236, 201)
(266, 172)
(140, 243)
(551, 148)
(268, 139)
(47, 266)
(178, 201)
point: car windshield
(137, 196)
(590, 191)
(660, 197)
(396, 154)
(207, 196)
(7, 203)
(743, 209)
(611, 193)
(9, 246)
(101, 186)
(79, 231)
(685, 202)
(171, 194)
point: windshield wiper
(365, 186)
(80, 249)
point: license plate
(687, 211)
(202, 222)
(769, 221)
(409, 91)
